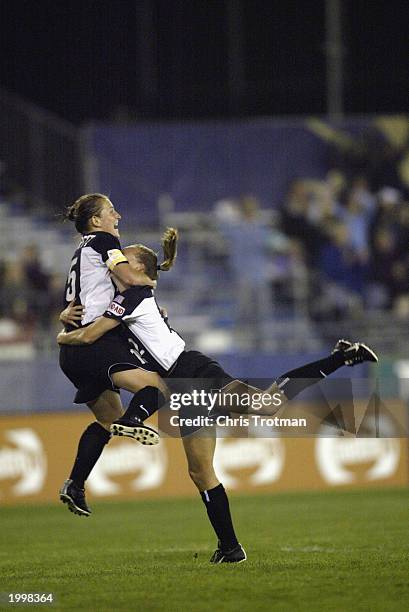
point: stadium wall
(38, 385)
(37, 451)
(202, 162)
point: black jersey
(153, 341)
(89, 282)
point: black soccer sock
(144, 404)
(218, 511)
(295, 381)
(90, 447)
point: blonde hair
(149, 258)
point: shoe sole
(72, 506)
(147, 437)
(223, 561)
(341, 345)
(231, 562)
(372, 355)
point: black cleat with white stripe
(236, 555)
(135, 429)
(355, 352)
(74, 497)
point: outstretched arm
(89, 334)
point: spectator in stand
(13, 294)
(386, 213)
(37, 281)
(363, 194)
(343, 271)
(13, 326)
(247, 238)
(400, 267)
(28, 299)
(35, 275)
(299, 221)
(402, 229)
(335, 181)
(382, 273)
(357, 219)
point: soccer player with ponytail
(161, 349)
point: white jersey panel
(147, 324)
(97, 289)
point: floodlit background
(272, 134)
(275, 136)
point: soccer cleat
(342, 345)
(236, 555)
(74, 497)
(355, 353)
(135, 429)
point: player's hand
(164, 313)
(72, 314)
(61, 338)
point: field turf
(342, 551)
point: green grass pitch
(342, 551)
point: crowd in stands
(347, 244)
(355, 239)
(30, 297)
(352, 242)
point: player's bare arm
(89, 334)
(127, 276)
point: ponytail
(150, 259)
(169, 245)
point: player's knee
(203, 478)
(107, 416)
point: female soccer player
(98, 371)
(167, 350)
(137, 308)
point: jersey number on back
(72, 277)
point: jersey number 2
(135, 350)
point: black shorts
(194, 364)
(90, 367)
(196, 372)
